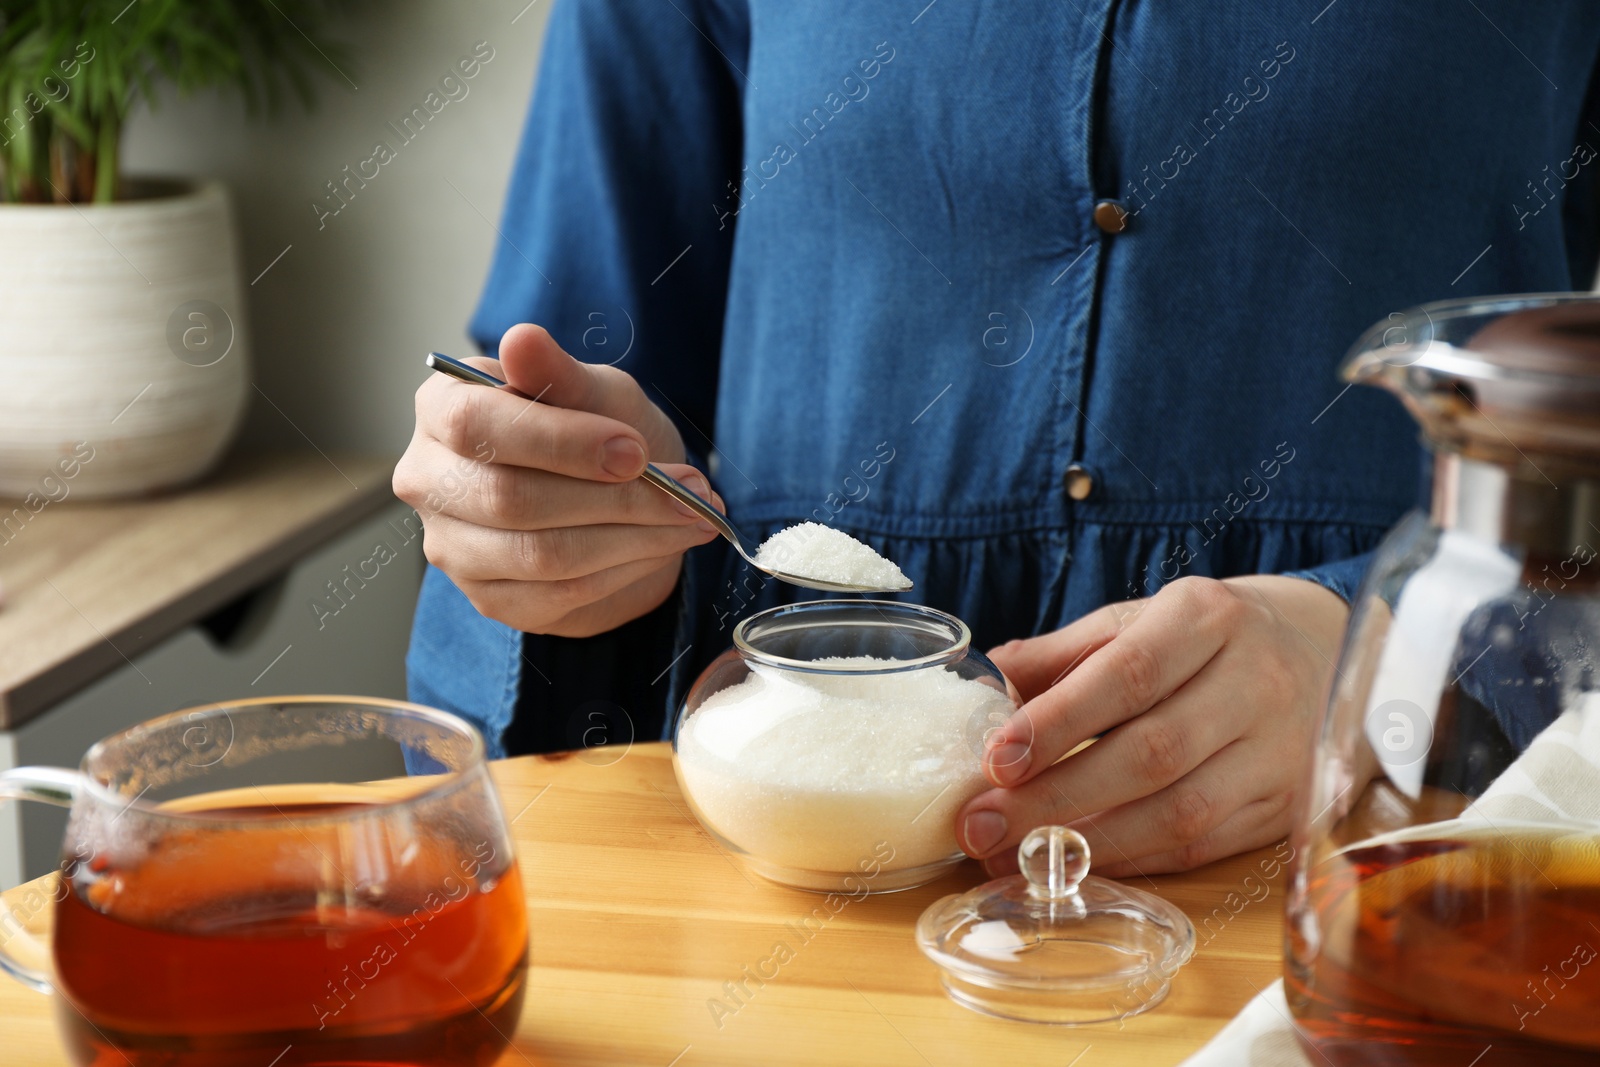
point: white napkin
(1556, 780)
(1259, 1036)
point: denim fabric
(852, 251)
(461, 661)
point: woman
(1043, 303)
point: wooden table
(637, 920)
(91, 585)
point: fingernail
(623, 457)
(1008, 762)
(696, 485)
(984, 830)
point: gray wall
(341, 322)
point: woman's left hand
(1206, 694)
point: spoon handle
(678, 491)
(466, 372)
(653, 474)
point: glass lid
(1505, 379)
(1054, 944)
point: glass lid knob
(1054, 860)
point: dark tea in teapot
(1443, 907)
(1482, 948)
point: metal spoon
(667, 484)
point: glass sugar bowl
(830, 748)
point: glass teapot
(1444, 900)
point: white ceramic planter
(122, 326)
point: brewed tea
(217, 948)
(1480, 948)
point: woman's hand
(1207, 695)
(536, 510)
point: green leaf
(261, 50)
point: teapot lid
(1500, 378)
(1554, 339)
(1055, 944)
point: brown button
(1079, 482)
(1110, 216)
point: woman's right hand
(536, 510)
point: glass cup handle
(23, 954)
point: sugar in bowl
(830, 748)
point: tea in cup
(215, 909)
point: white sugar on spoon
(822, 554)
(829, 556)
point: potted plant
(122, 314)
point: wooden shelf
(90, 586)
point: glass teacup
(219, 904)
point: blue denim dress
(1042, 301)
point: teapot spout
(1513, 380)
